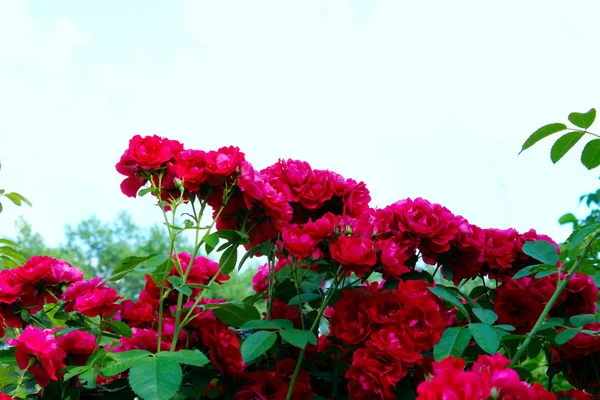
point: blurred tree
(96, 247)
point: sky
(425, 99)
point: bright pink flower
(356, 201)
(224, 161)
(10, 288)
(298, 242)
(319, 189)
(135, 314)
(39, 353)
(99, 301)
(190, 165)
(78, 346)
(151, 152)
(142, 339)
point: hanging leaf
(444, 294)
(485, 316)
(564, 144)
(541, 250)
(228, 260)
(582, 319)
(453, 342)
(564, 336)
(486, 337)
(257, 344)
(234, 313)
(116, 363)
(126, 266)
(155, 378)
(298, 337)
(187, 357)
(541, 133)
(583, 120)
(120, 328)
(590, 157)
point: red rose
(38, 352)
(10, 289)
(515, 306)
(366, 380)
(137, 313)
(298, 242)
(581, 295)
(351, 322)
(582, 344)
(393, 255)
(318, 190)
(142, 339)
(224, 347)
(354, 253)
(224, 161)
(190, 165)
(99, 301)
(500, 249)
(356, 201)
(151, 152)
(78, 345)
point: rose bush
(404, 301)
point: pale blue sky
(428, 98)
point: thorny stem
(561, 287)
(312, 328)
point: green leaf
(162, 269)
(13, 254)
(233, 313)
(583, 120)
(564, 336)
(530, 270)
(453, 342)
(578, 236)
(541, 250)
(264, 324)
(187, 357)
(233, 236)
(541, 133)
(298, 337)
(17, 199)
(155, 378)
(590, 157)
(485, 316)
(486, 337)
(8, 356)
(564, 144)
(305, 297)
(264, 248)
(116, 363)
(444, 294)
(551, 323)
(9, 242)
(120, 328)
(211, 240)
(505, 327)
(582, 319)
(228, 260)
(126, 266)
(73, 371)
(144, 192)
(257, 344)
(568, 218)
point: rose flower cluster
(339, 270)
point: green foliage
(590, 157)
(453, 342)
(155, 378)
(257, 344)
(486, 337)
